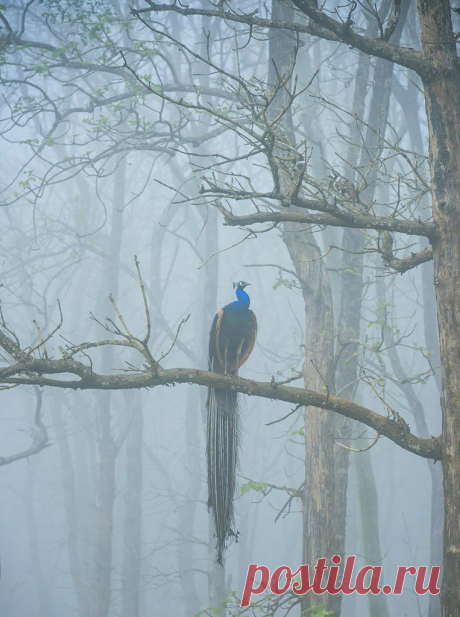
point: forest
(158, 158)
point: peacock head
(240, 285)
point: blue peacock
(231, 341)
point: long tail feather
(222, 458)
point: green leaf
(245, 488)
(317, 611)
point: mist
(130, 138)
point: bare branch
(320, 25)
(355, 220)
(33, 371)
(407, 263)
(40, 439)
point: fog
(110, 518)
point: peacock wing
(250, 339)
(215, 358)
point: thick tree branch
(355, 220)
(381, 48)
(321, 25)
(412, 261)
(386, 241)
(33, 371)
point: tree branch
(381, 48)
(407, 263)
(40, 439)
(356, 221)
(321, 25)
(33, 371)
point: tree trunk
(71, 509)
(442, 96)
(41, 574)
(369, 528)
(107, 447)
(133, 509)
(348, 328)
(105, 505)
(350, 307)
(408, 99)
(318, 493)
(187, 506)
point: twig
(322, 379)
(251, 233)
(296, 408)
(175, 338)
(144, 297)
(342, 445)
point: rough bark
(437, 493)
(408, 99)
(442, 97)
(318, 494)
(356, 221)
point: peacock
(231, 341)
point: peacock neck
(243, 298)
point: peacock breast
(236, 320)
